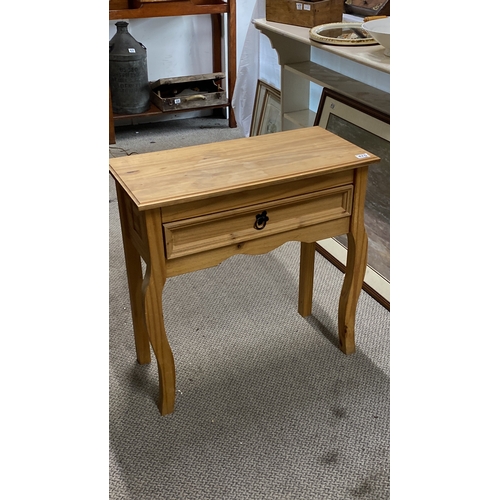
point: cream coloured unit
(298, 71)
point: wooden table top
(191, 173)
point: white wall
(182, 46)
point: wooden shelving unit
(166, 9)
(135, 9)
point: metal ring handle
(261, 220)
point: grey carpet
(267, 406)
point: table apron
(210, 258)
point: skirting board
(374, 284)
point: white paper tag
(177, 101)
(307, 7)
(132, 51)
(363, 155)
(298, 6)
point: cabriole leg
(152, 292)
(135, 280)
(357, 248)
(306, 277)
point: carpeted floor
(267, 406)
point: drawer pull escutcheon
(260, 220)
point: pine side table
(187, 209)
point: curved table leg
(306, 277)
(153, 307)
(357, 252)
(134, 276)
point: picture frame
(266, 116)
(369, 128)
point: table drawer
(199, 234)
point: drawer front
(199, 234)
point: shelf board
(153, 110)
(303, 118)
(325, 77)
(168, 9)
(371, 56)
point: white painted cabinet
(361, 73)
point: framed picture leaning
(266, 117)
(368, 128)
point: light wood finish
(215, 256)
(188, 209)
(153, 288)
(306, 278)
(199, 234)
(311, 14)
(357, 242)
(134, 276)
(165, 178)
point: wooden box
(306, 14)
(189, 92)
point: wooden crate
(306, 14)
(189, 92)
